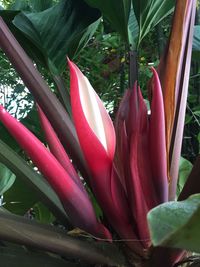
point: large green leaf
(48, 238)
(117, 12)
(150, 12)
(35, 181)
(7, 179)
(176, 224)
(59, 30)
(28, 45)
(40, 5)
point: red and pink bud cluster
(127, 163)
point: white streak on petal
(91, 109)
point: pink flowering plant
(130, 165)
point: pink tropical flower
(127, 162)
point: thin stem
(133, 68)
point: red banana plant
(127, 164)
(145, 186)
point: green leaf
(7, 179)
(176, 224)
(58, 31)
(196, 43)
(196, 38)
(29, 47)
(19, 5)
(20, 198)
(116, 12)
(83, 38)
(149, 13)
(40, 5)
(35, 181)
(185, 167)
(20, 230)
(42, 214)
(133, 29)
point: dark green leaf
(20, 198)
(176, 224)
(7, 179)
(40, 5)
(149, 13)
(31, 49)
(42, 214)
(57, 29)
(116, 12)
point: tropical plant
(131, 167)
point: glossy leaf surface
(59, 30)
(116, 13)
(176, 224)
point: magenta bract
(128, 175)
(74, 200)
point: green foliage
(42, 214)
(60, 30)
(176, 224)
(116, 13)
(20, 198)
(196, 41)
(7, 179)
(185, 168)
(150, 13)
